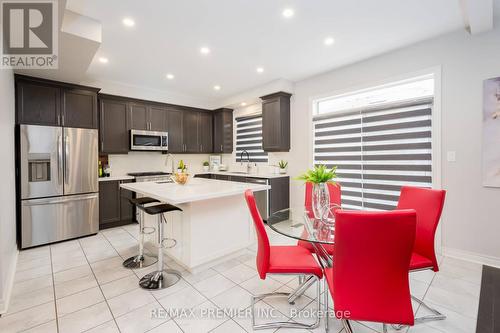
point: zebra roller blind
(249, 138)
(376, 151)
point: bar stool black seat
(141, 260)
(162, 277)
(160, 209)
(142, 201)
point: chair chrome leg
(384, 328)
(141, 260)
(435, 316)
(326, 292)
(347, 326)
(300, 290)
(285, 324)
(161, 278)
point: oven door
(148, 140)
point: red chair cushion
(307, 245)
(420, 262)
(293, 260)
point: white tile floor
(81, 286)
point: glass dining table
(300, 223)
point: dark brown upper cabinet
(79, 108)
(276, 122)
(51, 103)
(223, 131)
(38, 104)
(139, 116)
(114, 127)
(190, 131)
(148, 117)
(158, 118)
(205, 128)
(175, 132)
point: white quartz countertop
(196, 189)
(249, 175)
(114, 178)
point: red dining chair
(283, 260)
(369, 280)
(428, 204)
(335, 199)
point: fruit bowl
(180, 178)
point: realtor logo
(29, 34)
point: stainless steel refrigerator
(58, 181)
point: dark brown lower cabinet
(279, 194)
(114, 207)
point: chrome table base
(158, 280)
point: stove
(148, 174)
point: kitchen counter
(241, 174)
(214, 222)
(114, 178)
(196, 189)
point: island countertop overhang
(196, 189)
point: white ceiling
(244, 34)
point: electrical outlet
(451, 156)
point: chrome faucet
(249, 167)
(170, 156)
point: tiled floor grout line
(99, 285)
(54, 288)
(152, 294)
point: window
(379, 140)
(249, 138)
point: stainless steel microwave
(148, 140)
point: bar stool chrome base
(139, 261)
(158, 280)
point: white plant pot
(206, 168)
(282, 171)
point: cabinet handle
(221, 149)
(62, 119)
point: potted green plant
(181, 168)
(320, 176)
(283, 165)
(206, 166)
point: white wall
(152, 161)
(471, 219)
(8, 249)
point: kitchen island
(214, 223)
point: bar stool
(141, 260)
(161, 278)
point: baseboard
(472, 257)
(9, 284)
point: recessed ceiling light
(243, 104)
(260, 70)
(170, 76)
(103, 60)
(288, 12)
(216, 87)
(204, 50)
(128, 22)
(329, 41)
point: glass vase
(320, 200)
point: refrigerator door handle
(66, 158)
(59, 159)
(60, 200)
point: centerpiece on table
(181, 176)
(320, 176)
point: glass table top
(300, 223)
